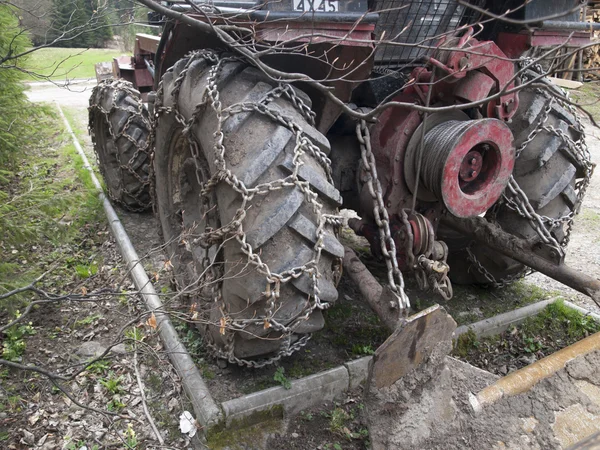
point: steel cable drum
(466, 164)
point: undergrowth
(555, 327)
(48, 208)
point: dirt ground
(352, 331)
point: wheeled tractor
(431, 119)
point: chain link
(209, 237)
(136, 117)
(380, 214)
(516, 199)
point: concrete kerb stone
(501, 322)
(304, 393)
(206, 410)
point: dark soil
(553, 329)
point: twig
(143, 396)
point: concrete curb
(304, 393)
(501, 322)
(207, 411)
(524, 379)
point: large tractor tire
(547, 173)
(235, 305)
(120, 128)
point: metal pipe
(494, 237)
(567, 25)
(380, 298)
(150, 67)
(207, 411)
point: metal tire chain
(395, 279)
(119, 86)
(517, 200)
(235, 228)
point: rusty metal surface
(410, 345)
(380, 298)
(507, 244)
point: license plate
(316, 6)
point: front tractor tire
(199, 193)
(548, 170)
(120, 129)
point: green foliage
(79, 23)
(18, 119)
(14, 344)
(84, 271)
(362, 350)
(135, 334)
(465, 343)
(112, 383)
(281, 378)
(99, 367)
(557, 318)
(87, 320)
(130, 437)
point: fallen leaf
(151, 322)
(223, 322)
(84, 291)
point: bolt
(389, 204)
(474, 160)
(474, 173)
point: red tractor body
(416, 117)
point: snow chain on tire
(225, 328)
(562, 137)
(120, 128)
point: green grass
(555, 327)
(68, 63)
(588, 97)
(49, 215)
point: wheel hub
(464, 163)
(470, 167)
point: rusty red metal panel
(143, 78)
(513, 44)
(541, 38)
(475, 86)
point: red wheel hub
(477, 167)
(465, 163)
(471, 166)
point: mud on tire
(281, 226)
(547, 173)
(120, 128)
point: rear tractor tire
(546, 171)
(224, 247)
(120, 129)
